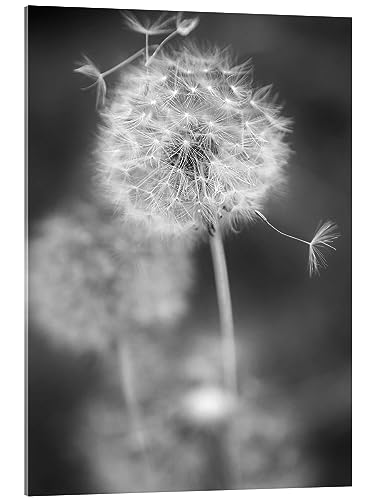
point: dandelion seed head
(221, 141)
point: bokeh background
(294, 332)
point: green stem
(225, 310)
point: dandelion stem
(130, 398)
(146, 48)
(225, 310)
(171, 35)
(123, 63)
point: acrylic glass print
(189, 180)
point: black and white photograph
(189, 268)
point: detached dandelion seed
(148, 28)
(157, 27)
(325, 234)
(88, 68)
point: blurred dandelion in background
(96, 282)
(93, 277)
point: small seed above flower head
(158, 27)
(186, 26)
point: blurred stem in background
(131, 401)
(225, 311)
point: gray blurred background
(296, 330)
